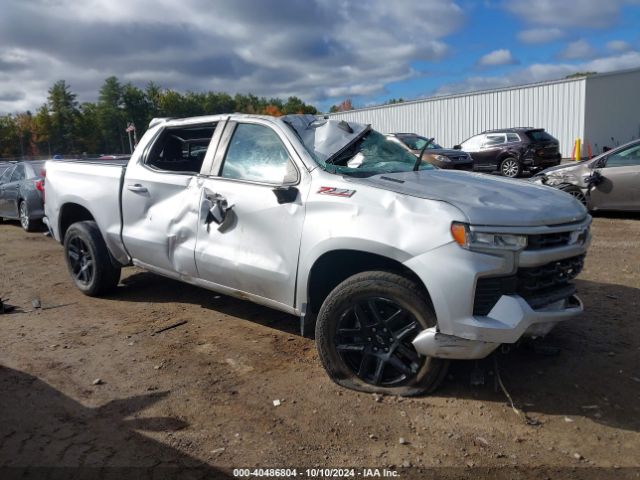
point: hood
(323, 138)
(575, 174)
(485, 199)
(566, 167)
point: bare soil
(197, 399)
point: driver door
(251, 244)
(620, 187)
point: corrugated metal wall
(558, 107)
(612, 109)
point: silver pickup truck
(397, 265)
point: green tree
(43, 131)
(64, 110)
(111, 116)
(9, 137)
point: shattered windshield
(350, 148)
(373, 154)
(415, 142)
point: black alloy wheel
(373, 338)
(81, 262)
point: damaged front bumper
(508, 321)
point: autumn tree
(343, 106)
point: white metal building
(594, 109)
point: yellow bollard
(577, 150)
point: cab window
(181, 149)
(256, 154)
(493, 140)
(625, 158)
(18, 173)
(6, 175)
(472, 144)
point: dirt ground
(197, 400)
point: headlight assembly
(466, 237)
(442, 158)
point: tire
(88, 259)
(510, 168)
(576, 192)
(28, 224)
(352, 349)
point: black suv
(512, 151)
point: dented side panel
(256, 250)
(371, 220)
(160, 221)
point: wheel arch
(334, 266)
(71, 213)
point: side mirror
(599, 164)
(457, 147)
(595, 179)
(286, 194)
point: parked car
(4, 165)
(610, 181)
(22, 194)
(433, 153)
(512, 151)
(398, 265)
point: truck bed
(95, 186)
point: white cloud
(579, 49)
(497, 57)
(541, 72)
(314, 49)
(618, 46)
(540, 35)
(568, 13)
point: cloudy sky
(320, 50)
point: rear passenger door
(258, 183)
(161, 197)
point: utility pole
(131, 128)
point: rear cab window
(181, 149)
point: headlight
(466, 237)
(442, 158)
(539, 179)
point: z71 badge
(336, 192)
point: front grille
(539, 286)
(548, 240)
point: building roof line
(490, 90)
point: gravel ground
(86, 382)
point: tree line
(63, 126)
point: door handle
(219, 209)
(137, 188)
